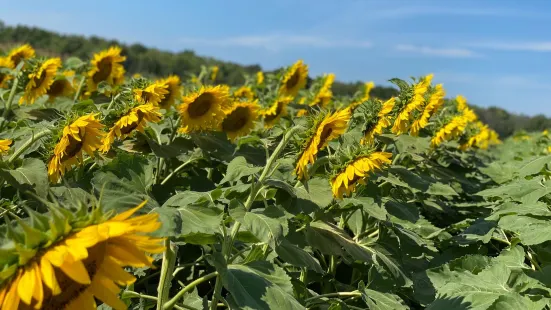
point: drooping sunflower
(259, 78)
(244, 92)
(20, 53)
(5, 145)
(214, 73)
(382, 121)
(204, 109)
(329, 128)
(368, 86)
(294, 79)
(275, 111)
(324, 94)
(5, 63)
(134, 120)
(84, 135)
(153, 93)
(77, 260)
(452, 130)
(464, 108)
(173, 86)
(401, 123)
(354, 173)
(40, 80)
(61, 87)
(435, 102)
(240, 119)
(106, 66)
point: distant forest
(154, 62)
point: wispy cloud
(439, 52)
(417, 11)
(544, 46)
(277, 42)
(508, 81)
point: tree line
(155, 62)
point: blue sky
(494, 52)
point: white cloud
(277, 42)
(439, 52)
(544, 46)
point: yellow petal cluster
(106, 66)
(274, 113)
(294, 79)
(240, 119)
(450, 131)
(383, 121)
(40, 80)
(401, 123)
(5, 145)
(172, 85)
(204, 110)
(435, 102)
(154, 93)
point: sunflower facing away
(214, 73)
(382, 122)
(345, 181)
(368, 86)
(134, 120)
(259, 78)
(244, 92)
(5, 145)
(40, 80)
(61, 87)
(450, 131)
(20, 53)
(276, 111)
(462, 107)
(79, 264)
(5, 63)
(204, 109)
(173, 86)
(154, 93)
(106, 66)
(82, 136)
(435, 102)
(294, 79)
(324, 94)
(329, 128)
(401, 123)
(240, 119)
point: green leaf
(368, 205)
(296, 256)
(382, 301)
(534, 166)
(200, 219)
(265, 228)
(239, 168)
(318, 191)
(171, 222)
(31, 175)
(176, 148)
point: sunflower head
(61, 87)
(23, 52)
(106, 66)
(244, 92)
(324, 94)
(294, 79)
(214, 73)
(240, 119)
(259, 78)
(173, 85)
(41, 76)
(153, 93)
(204, 109)
(274, 113)
(67, 259)
(5, 65)
(5, 145)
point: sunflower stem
(173, 173)
(248, 203)
(8, 103)
(79, 89)
(169, 304)
(169, 260)
(29, 143)
(337, 294)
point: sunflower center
(56, 89)
(39, 78)
(128, 129)
(105, 66)
(16, 58)
(236, 120)
(70, 289)
(293, 80)
(201, 105)
(325, 133)
(72, 149)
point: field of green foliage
(132, 192)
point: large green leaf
(533, 166)
(239, 168)
(382, 301)
(268, 228)
(30, 176)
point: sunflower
(276, 111)
(259, 78)
(106, 66)
(294, 79)
(20, 53)
(5, 145)
(40, 80)
(81, 264)
(345, 181)
(383, 121)
(244, 92)
(82, 136)
(240, 119)
(329, 128)
(134, 120)
(368, 86)
(5, 63)
(450, 131)
(435, 102)
(61, 87)
(324, 94)
(302, 112)
(204, 109)
(214, 73)
(172, 84)
(154, 93)
(401, 123)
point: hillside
(156, 62)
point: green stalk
(182, 166)
(28, 144)
(169, 260)
(79, 89)
(169, 304)
(337, 294)
(248, 203)
(8, 103)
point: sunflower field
(133, 192)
